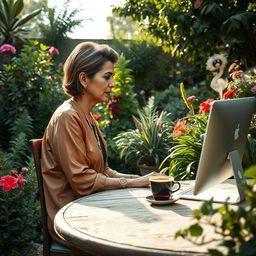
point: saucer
(162, 202)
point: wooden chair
(50, 247)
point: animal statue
(216, 64)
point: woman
(74, 153)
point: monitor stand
(238, 173)
(227, 191)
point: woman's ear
(83, 79)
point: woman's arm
(114, 174)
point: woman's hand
(143, 181)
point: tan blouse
(72, 162)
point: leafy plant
(236, 226)
(12, 24)
(149, 143)
(55, 27)
(170, 101)
(32, 83)
(150, 65)
(243, 84)
(192, 29)
(19, 206)
(188, 132)
(183, 157)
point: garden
(187, 55)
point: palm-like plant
(58, 24)
(150, 142)
(11, 23)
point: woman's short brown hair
(89, 58)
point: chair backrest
(36, 150)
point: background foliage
(194, 29)
(32, 83)
(20, 216)
(12, 24)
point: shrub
(30, 82)
(150, 65)
(20, 219)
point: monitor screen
(225, 138)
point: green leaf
(214, 252)
(17, 8)
(26, 18)
(251, 172)
(195, 230)
(197, 214)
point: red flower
(8, 182)
(228, 94)
(179, 128)
(206, 105)
(116, 97)
(54, 51)
(115, 109)
(198, 3)
(96, 116)
(21, 180)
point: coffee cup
(162, 187)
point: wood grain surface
(121, 222)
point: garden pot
(145, 169)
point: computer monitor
(222, 150)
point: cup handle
(176, 183)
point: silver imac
(222, 152)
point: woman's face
(99, 87)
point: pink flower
(8, 182)
(191, 99)
(236, 74)
(21, 180)
(206, 105)
(54, 51)
(24, 169)
(228, 94)
(1, 166)
(198, 3)
(253, 89)
(7, 48)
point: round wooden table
(121, 222)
